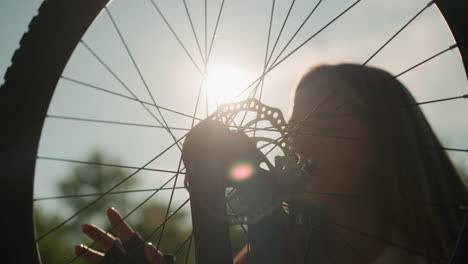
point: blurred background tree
(90, 180)
(94, 180)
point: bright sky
(237, 59)
(14, 19)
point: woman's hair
(412, 176)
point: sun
(223, 84)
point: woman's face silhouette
(337, 135)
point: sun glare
(224, 84)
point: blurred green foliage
(58, 247)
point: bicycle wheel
(56, 31)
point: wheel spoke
(135, 65)
(127, 97)
(245, 232)
(297, 131)
(113, 122)
(281, 31)
(125, 217)
(264, 63)
(238, 219)
(189, 238)
(169, 204)
(295, 33)
(188, 250)
(374, 200)
(269, 34)
(347, 138)
(107, 67)
(98, 194)
(271, 149)
(386, 242)
(177, 37)
(147, 238)
(441, 100)
(452, 149)
(298, 125)
(215, 30)
(107, 165)
(126, 87)
(108, 191)
(198, 99)
(268, 58)
(206, 30)
(194, 32)
(398, 32)
(208, 55)
(424, 61)
(277, 62)
(274, 141)
(414, 67)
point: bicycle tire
(53, 35)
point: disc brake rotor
(255, 183)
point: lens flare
(241, 171)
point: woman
(390, 194)
(385, 190)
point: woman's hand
(106, 241)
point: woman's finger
(89, 255)
(120, 226)
(153, 255)
(102, 238)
